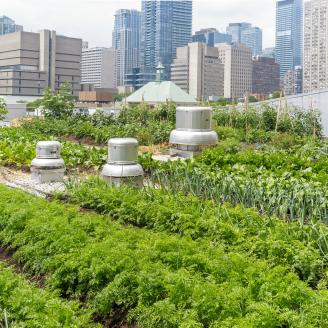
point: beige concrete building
(30, 62)
(98, 67)
(315, 60)
(237, 61)
(198, 70)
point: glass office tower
(289, 34)
(211, 36)
(7, 25)
(165, 25)
(235, 30)
(252, 38)
(126, 42)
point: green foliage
(276, 94)
(56, 105)
(3, 109)
(17, 148)
(252, 99)
(149, 126)
(290, 184)
(160, 280)
(237, 228)
(27, 306)
(291, 120)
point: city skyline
(95, 19)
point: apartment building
(237, 62)
(198, 70)
(315, 62)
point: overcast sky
(92, 20)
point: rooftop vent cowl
(122, 163)
(48, 166)
(193, 131)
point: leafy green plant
(56, 105)
(161, 280)
(24, 305)
(3, 109)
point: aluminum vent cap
(123, 151)
(48, 149)
(193, 138)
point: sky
(93, 20)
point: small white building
(17, 108)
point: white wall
(15, 111)
(316, 99)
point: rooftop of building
(160, 92)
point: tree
(252, 99)
(3, 109)
(56, 105)
(276, 94)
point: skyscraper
(211, 36)
(7, 25)
(235, 29)
(315, 65)
(165, 26)
(251, 37)
(126, 42)
(289, 34)
(246, 34)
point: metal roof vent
(193, 131)
(122, 163)
(48, 166)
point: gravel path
(22, 180)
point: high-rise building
(269, 52)
(165, 26)
(98, 67)
(198, 70)
(235, 29)
(293, 81)
(7, 25)
(211, 36)
(237, 61)
(245, 33)
(266, 76)
(31, 62)
(251, 37)
(289, 34)
(315, 64)
(126, 42)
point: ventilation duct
(122, 164)
(193, 131)
(48, 166)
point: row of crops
(24, 305)
(164, 279)
(233, 238)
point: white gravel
(22, 180)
